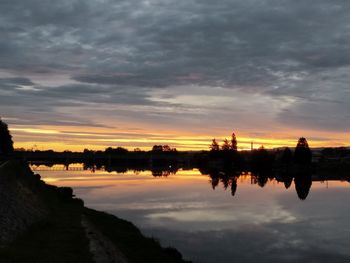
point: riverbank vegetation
(60, 236)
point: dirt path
(101, 247)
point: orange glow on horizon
(60, 138)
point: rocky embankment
(20, 201)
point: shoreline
(55, 233)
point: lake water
(256, 224)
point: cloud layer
(273, 64)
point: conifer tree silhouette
(302, 153)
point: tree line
(302, 154)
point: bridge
(37, 168)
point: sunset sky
(78, 74)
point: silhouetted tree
(302, 153)
(109, 150)
(226, 145)
(214, 146)
(234, 142)
(287, 156)
(87, 151)
(261, 160)
(118, 150)
(166, 148)
(6, 143)
(163, 148)
(157, 148)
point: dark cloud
(119, 52)
(16, 81)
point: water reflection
(263, 222)
(303, 184)
(301, 177)
(302, 180)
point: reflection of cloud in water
(150, 206)
(250, 243)
(326, 218)
(259, 215)
(267, 224)
(84, 188)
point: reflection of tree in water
(288, 182)
(89, 166)
(214, 182)
(286, 178)
(227, 178)
(261, 165)
(159, 173)
(233, 186)
(118, 169)
(303, 184)
(164, 172)
(260, 178)
(214, 178)
(95, 166)
(225, 182)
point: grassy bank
(61, 238)
(130, 240)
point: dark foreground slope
(43, 223)
(20, 205)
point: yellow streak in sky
(76, 138)
(35, 131)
